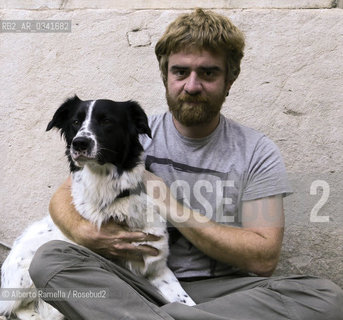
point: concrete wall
(290, 88)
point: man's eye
(180, 73)
(208, 74)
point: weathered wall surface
(290, 88)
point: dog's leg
(15, 275)
(14, 271)
(48, 312)
(28, 313)
(170, 287)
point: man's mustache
(192, 99)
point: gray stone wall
(290, 88)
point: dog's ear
(62, 113)
(139, 118)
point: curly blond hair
(202, 30)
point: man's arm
(254, 248)
(111, 241)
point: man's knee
(313, 297)
(332, 296)
(48, 260)
(323, 299)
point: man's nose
(193, 84)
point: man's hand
(115, 241)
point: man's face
(196, 86)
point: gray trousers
(59, 265)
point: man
(227, 225)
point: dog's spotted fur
(105, 161)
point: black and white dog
(104, 152)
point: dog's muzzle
(82, 148)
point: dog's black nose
(81, 144)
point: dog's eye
(76, 123)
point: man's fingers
(129, 249)
(113, 230)
(148, 250)
(138, 237)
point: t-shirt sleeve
(266, 175)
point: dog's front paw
(175, 293)
(186, 299)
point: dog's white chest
(95, 198)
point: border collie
(104, 152)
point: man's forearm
(240, 247)
(63, 212)
(254, 248)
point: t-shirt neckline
(194, 141)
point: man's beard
(188, 114)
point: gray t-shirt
(212, 175)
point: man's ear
(62, 113)
(139, 118)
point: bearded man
(227, 222)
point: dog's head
(101, 131)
